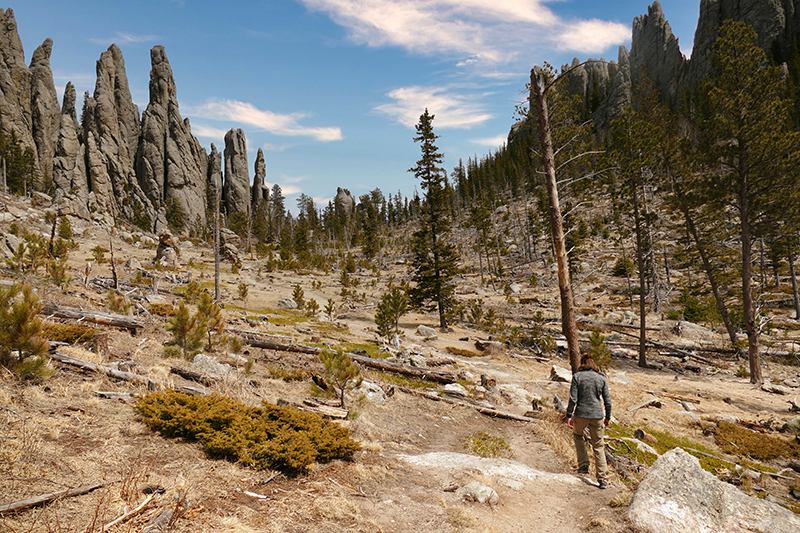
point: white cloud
(588, 36)
(202, 130)
(494, 142)
(451, 109)
(275, 123)
(475, 32)
(125, 38)
(287, 190)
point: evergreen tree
(393, 305)
(435, 258)
(187, 330)
(748, 138)
(211, 314)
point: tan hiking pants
(595, 426)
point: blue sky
(332, 89)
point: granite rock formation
(260, 191)
(236, 189)
(15, 83)
(69, 166)
(170, 164)
(45, 111)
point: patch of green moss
(484, 444)
(742, 441)
(266, 437)
(462, 352)
(372, 350)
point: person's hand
(569, 423)
(607, 422)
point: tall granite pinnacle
(169, 165)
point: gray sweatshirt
(588, 394)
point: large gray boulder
(170, 163)
(678, 496)
(69, 165)
(236, 189)
(45, 111)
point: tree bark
(795, 295)
(45, 498)
(569, 329)
(95, 317)
(747, 281)
(642, 275)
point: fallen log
(151, 384)
(438, 376)
(652, 402)
(46, 498)
(489, 411)
(193, 375)
(113, 395)
(95, 317)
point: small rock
(485, 345)
(478, 492)
(455, 389)
(791, 383)
(775, 389)
(372, 392)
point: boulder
(427, 332)
(776, 389)
(372, 392)
(560, 374)
(486, 345)
(210, 366)
(678, 496)
(167, 251)
(287, 303)
(455, 389)
(478, 492)
(620, 378)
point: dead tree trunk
(95, 317)
(539, 87)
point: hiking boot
(602, 484)
(583, 469)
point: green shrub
(484, 444)
(266, 437)
(71, 333)
(623, 268)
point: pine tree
(392, 306)
(435, 258)
(212, 316)
(22, 348)
(341, 371)
(747, 137)
(187, 330)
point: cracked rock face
(236, 189)
(678, 496)
(170, 163)
(69, 167)
(45, 111)
(15, 83)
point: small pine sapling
(330, 309)
(299, 296)
(599, 350)
(342, 372)
(244, 291)
(312, 307)
(212, 315)
(117, 302)
(393, 305)
(22, 348)
(188, 331)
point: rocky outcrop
(344, 204)
(45, 111)
(655, 48)
(213, 179)
(111, 122)
(169, 165)
(260, 190)
(15, 83)
(236, 189)
(678, 496)
(69, 167)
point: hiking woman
(588, 400)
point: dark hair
(588, 363)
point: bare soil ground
(58, 433)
